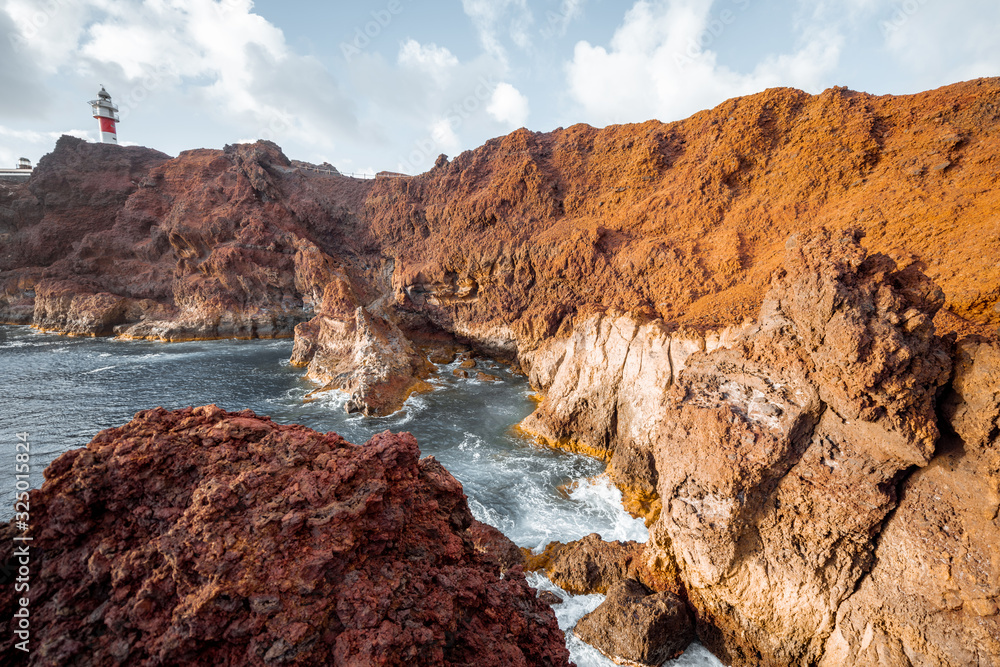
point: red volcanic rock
(504, 244)
(213, 538)
(490, 541)
(194, 247)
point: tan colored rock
(778, 464)
(591, 565)
(606, 388)
(352, 349)
(932, 596)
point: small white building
(20, 173)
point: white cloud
(508, 106)
(40, 142)
(431, 59)
(556, 22)
(499, 19)
(20, 78)
(444, 136)
(231, 62)
(660, 64)
(943, 42)
(49, 30)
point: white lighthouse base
(109, 138)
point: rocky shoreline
(214, 538)
(775, 320)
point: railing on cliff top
(334, 172)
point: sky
(371, 85)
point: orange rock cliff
(777, 320)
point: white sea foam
(332, 399)
(602, 497)
(491, 516)
(98, 370)
(21, 343)
(472, 443)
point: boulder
(592, 565)
(214, 538)
(634, 626)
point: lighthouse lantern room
(106, 114)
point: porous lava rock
(211, 538)
(523, 240)
(635, 626)
(490, 541)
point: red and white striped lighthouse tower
(106, 114)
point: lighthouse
(106, 114)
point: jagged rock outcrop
(360, 352)
(933, 597)
(811, 507)
(780, 459)
(202, 537)
(210, 244)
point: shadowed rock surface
(213, 538)
(933, 597)
(635, 626)
(784, 456)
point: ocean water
(62, 391)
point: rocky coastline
(201, 537)
(776, 320)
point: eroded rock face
(521, 240)
(606, 386)
(933, 597)
(214, 538)
(358, 351)
(779, 461)
(635, 626)
(207, 245)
